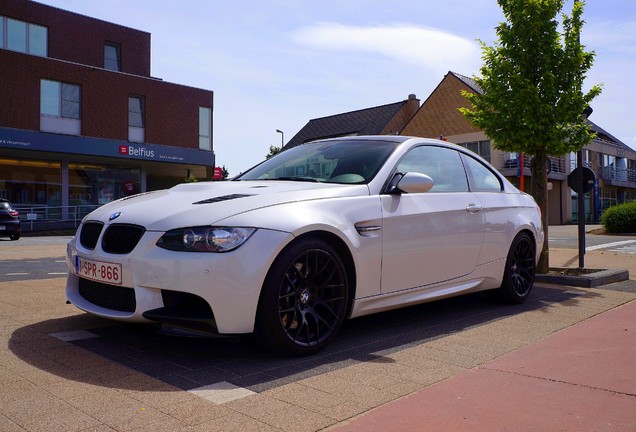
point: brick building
(613, 162)
(82, 121)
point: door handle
(474, 208)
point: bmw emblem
(304, 297)
(114, 216)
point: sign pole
(581, 207)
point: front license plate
(98, 270)
(2, 227)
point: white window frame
(58, 122)
(30, 44)
(205, 128)
(109, 61)
(137, 133)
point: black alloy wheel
(520, 270)
(304, 300)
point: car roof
(389, 138)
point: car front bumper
(230, 283)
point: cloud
(612, 37)
(425, 47)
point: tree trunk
(539, 192)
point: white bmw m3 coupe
(319, 233)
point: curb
(590, 280)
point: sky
(276, 64)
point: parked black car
(9, 220)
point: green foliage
(620, 218)
(273, 150)
(532, 81)
(191, 179)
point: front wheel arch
(344, 253)
(300, 298)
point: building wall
(171, 110)
(58, 174)
(439, 114)
(80, 39)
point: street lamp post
(282, 138)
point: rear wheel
(304, 299)
(15, 237)
(518, 278)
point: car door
(434, 236)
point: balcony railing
(557, 165)
(619, 174)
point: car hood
(208, 203)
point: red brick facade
(80, 39)
(76, 51)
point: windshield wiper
(303, 179)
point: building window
(136, 118)
(631, 170)
(482, 148)
(608, 198)
(111, 56)
(205, 128)
(23, 37)
(31, 182)
(60, 99)
(92, 185)
(59, 107)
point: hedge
(620, 218)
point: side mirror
(414, 183)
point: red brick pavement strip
(582, 378)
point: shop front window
(100, 184)
(30, 182)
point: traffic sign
(588, 180)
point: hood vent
(222, 198)
(135, 196)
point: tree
(531, 81)
(224, 173)
(273, 150)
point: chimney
(412, 105)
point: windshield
(342, 161)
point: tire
(518, 278)
(304, 299)
(15, 237)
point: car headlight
(205, 239)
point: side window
(112, 56)
(442, 164)
(481, 178)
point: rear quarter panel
(507, 214)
